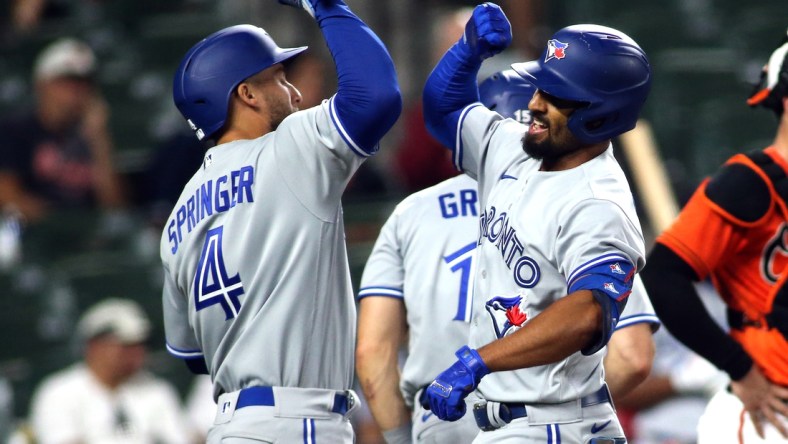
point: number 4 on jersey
(212, 285)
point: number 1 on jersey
(212, 285)
(462, 261)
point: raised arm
(452, 84)
(368, 100)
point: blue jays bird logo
(555, 50)
(506, 314)
(616, 268)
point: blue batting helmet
(507, 93)
(599, 66)
(214, 67)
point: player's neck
(575, 158)
(234, 134)
(781, 139)
(246, 127)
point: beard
(550, 148)
(278, 110)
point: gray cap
(65, 58)
(122, 318)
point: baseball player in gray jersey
(559, 240)
(419, 279)
(257, 286)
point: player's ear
(246, 94)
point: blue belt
(509, 411)
(264, 396)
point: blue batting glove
(488, 32)
(446, 395)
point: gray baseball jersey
(539, 231)
(424, 256)
(255, 264)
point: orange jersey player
(734, 230)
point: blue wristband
(471, 359)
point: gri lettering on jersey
(496, 229)
(213, 196)
(462, 203)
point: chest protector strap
(777, 317)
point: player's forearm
(378, 374)
(669, 281)
(450, 87)
(629, 358)
(567, 326)
(368, 100)
(650, 392)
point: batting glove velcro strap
(473, 361)
(446, 395)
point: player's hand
(445, 396)
(763, 400)
(488, 32)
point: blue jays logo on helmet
(506, 314)
(601, 68)
(555, 50)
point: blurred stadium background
(705, 55)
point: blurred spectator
(108, 397)
(26, 15)
(310, 73)
(59, 154)
(6, 409)
(420, 160)
(200, 405)
(174, 162)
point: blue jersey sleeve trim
(185, 354)
(381, 291)
(613, 257)
(379, 295)
(637, 319)
(368, 100)
(344, 134)
(457, 151)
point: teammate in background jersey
(419, 280)
(734, 230)
(257, 285)
(559, 240)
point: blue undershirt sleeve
(368, 99)
(449, 89)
